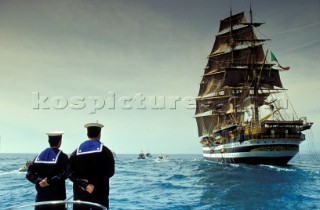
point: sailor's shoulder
(105, 148)
(107, 152)
(63, 155)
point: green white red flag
(275, 61)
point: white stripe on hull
(255, 142)
(271, 154)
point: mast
(231, 41)
(251, 20)
(256, 107)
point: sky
(66, 63)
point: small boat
(161, 158)
(141, 156)
(26, 166)
(148, 155)
(114, 154)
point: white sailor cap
(88, 125)
(55, 133)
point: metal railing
(58, 202)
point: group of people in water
(89, 167)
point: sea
(186, 182)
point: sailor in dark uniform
(48, 172)
(90, 167)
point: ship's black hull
(254, 160)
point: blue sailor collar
(89, 146)
(48, 156)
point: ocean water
(186, 182)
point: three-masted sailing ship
(240, 115)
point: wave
(4, 173)
(278, 168)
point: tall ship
(241, 112)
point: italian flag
(275, 61)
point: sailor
(48, 172)
(90, 167)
